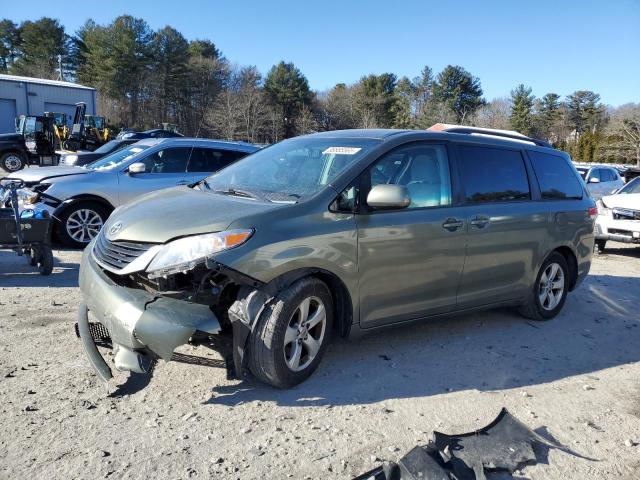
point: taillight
(593, 212)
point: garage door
(7, 115)
(62, 108)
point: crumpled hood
(629, 200)
(39, 174)
(177, 212)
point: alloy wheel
(305, 333)
(83, 225)
(551, 286)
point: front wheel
(80, 223)
(12, 162)
(549, 291)
(292, 334)
(600, 245)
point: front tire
(12, 162)
(600, 245)
(549, 291)
(80, 223)
(292, 334)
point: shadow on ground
(15, 271)
(598, 328)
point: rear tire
(292, 334)
(80, 223)
(12, 162)
(45, 260)
(549, 291)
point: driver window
(169, 160)
(422, 168)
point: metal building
(34, 96)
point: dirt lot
(576, 378)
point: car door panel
(411, 263)
(410, 260)
(506, 229)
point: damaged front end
(147, 315)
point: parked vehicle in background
(82, 198)
(154, 133)
(339, 232)
(88, 132)
(600, 180)
(33, 142)
(619, 216)
(80, 159)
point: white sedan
(619, 216)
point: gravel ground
(575, 379)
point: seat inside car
(423, 181)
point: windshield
(292, 169)
(632, 187)
(116, 158)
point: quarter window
(493, 175)
(422, 168)
(555, 176)
(169, 160)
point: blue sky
(551, 45)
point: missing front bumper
(140, 325)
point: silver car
(81, 199)
(600, 180)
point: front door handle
(479, 221)
(452, 224)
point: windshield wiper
(205, 183)
(237, 193)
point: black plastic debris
(505, 445)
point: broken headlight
(185, 253)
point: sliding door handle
(452, 224)
(479, 221)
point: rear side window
(607, 175)
(555, 176)
(493, 175)
(211, 160)
(169, 160)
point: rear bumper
(141, 325)
(626, 231)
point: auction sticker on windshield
(342, 150)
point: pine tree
(521, 118)
(289, 91)
(459, 91)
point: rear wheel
(292, 334)
(45, 260)
(11, 162)
(550, 289)
(80, 223)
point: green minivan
(336, 233)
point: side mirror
(389, 196)
(594, 180)
(137, 167)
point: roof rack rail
(524, 138)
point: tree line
(146, 77)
